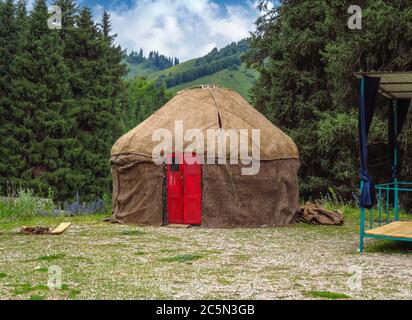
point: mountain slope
(180, 68)
(220, 67)
(139, 70)
(240, 80)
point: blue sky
(183, 28)
(113, 4)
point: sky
(180, 28)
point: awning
(396, 86)
(393, 85)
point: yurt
(206, 193)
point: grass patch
(226, 271)
(26, 288)
(240, 79)
(133, 232)
(168, 238)
(10, 224)
(36, 298)
(2, 275)
(25, 205)
(242, 257)
(182, 258)
(73, 293)
(388, 246)
(51, 257)
(327, 295)
(65, 287)
(168, 250)
(225, 282)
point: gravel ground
(104, 261)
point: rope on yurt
(220, 123)
(164, 196)
(116, 178)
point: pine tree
(21, 20)
(306, 56)
(97, 82)
(62, 101)
(106, 26)
(143, 99)
(70, 174)
(39, 88)
(69, 13)
(8, 47)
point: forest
(70, 230)
(155, 60)
(306, 56)
(214, 61)
(201, 71)
(63, 101)
(64, 98)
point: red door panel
(192, 183)
(175, 192)
(184, 188)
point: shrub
(25, 205)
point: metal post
(362, 229)
(362, 210)
(370, 218)
(387, 205)
(380, 208)
(396, 162)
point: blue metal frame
(386, 189)
(387, 238)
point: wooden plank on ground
(61, 228)
(179, 226)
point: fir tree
(8, 47)
(62, 101)
(21, 20)
(306, 56)
(106, 26)
(70, 174)
(39, 88)
(96, 85)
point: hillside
(220, 67)
(240, 80)
(138, 70)
(180, 68)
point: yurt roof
(208, 107)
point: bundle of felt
(314, 214)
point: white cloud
(182, 28)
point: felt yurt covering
(229, 199)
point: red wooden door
(192, 185)
(184, 191)
(175, 191)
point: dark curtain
(368, 89)
(403, 108)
